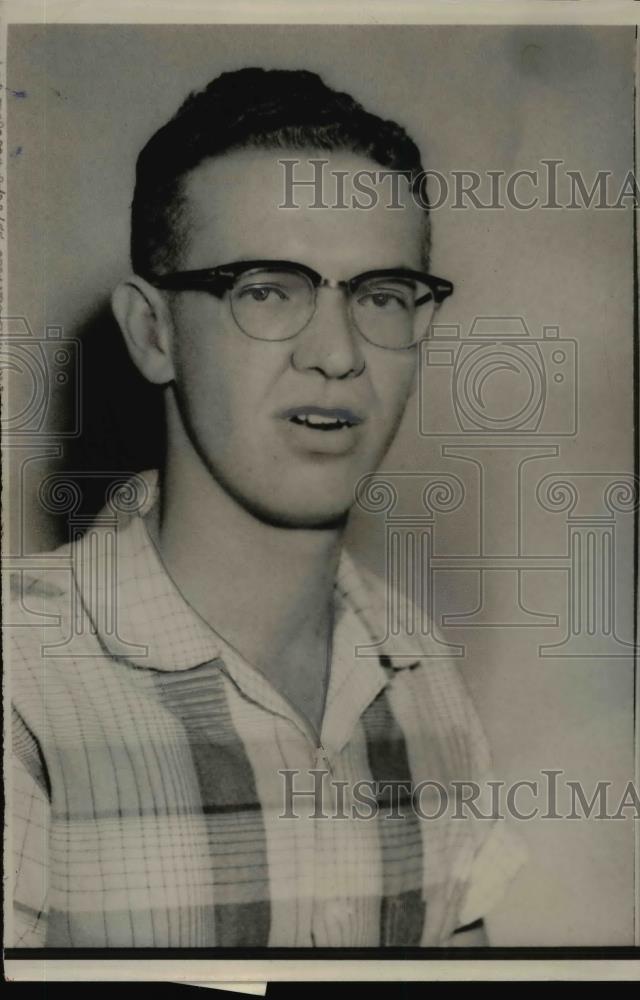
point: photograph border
(349, 964)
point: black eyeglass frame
(220, 279)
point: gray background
(479, 98)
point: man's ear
(145, 321)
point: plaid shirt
(148, 793)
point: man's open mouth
(321, 423)
(321, 419)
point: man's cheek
(209, 407)
(397, 405)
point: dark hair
(269, 109)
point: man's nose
(330, 343)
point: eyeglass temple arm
(440, 290)
(206, 280)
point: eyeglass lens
(276, 305)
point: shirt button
(321, 760)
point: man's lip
(343, 414)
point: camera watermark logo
(72, 590)
(501, 521)
(33, 370)
(499, 380)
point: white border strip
(636, 911)
(4, 488)
(372, 12)
(314, 970)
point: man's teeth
(320, 422)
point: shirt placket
(305, 754)
(355, 681)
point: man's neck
(266, 589)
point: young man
(159, 770)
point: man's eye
(385, 300)
(262, 293)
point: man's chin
(303, 514)
(294, 501)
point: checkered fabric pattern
(154, 770)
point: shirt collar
(152, 624)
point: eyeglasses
(276, 299)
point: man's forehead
(309, 177)
(279, 200)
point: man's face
(236, 393)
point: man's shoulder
(39, 606)
(54, 584)
(428, 686)
(404, 626)
(35, 583)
